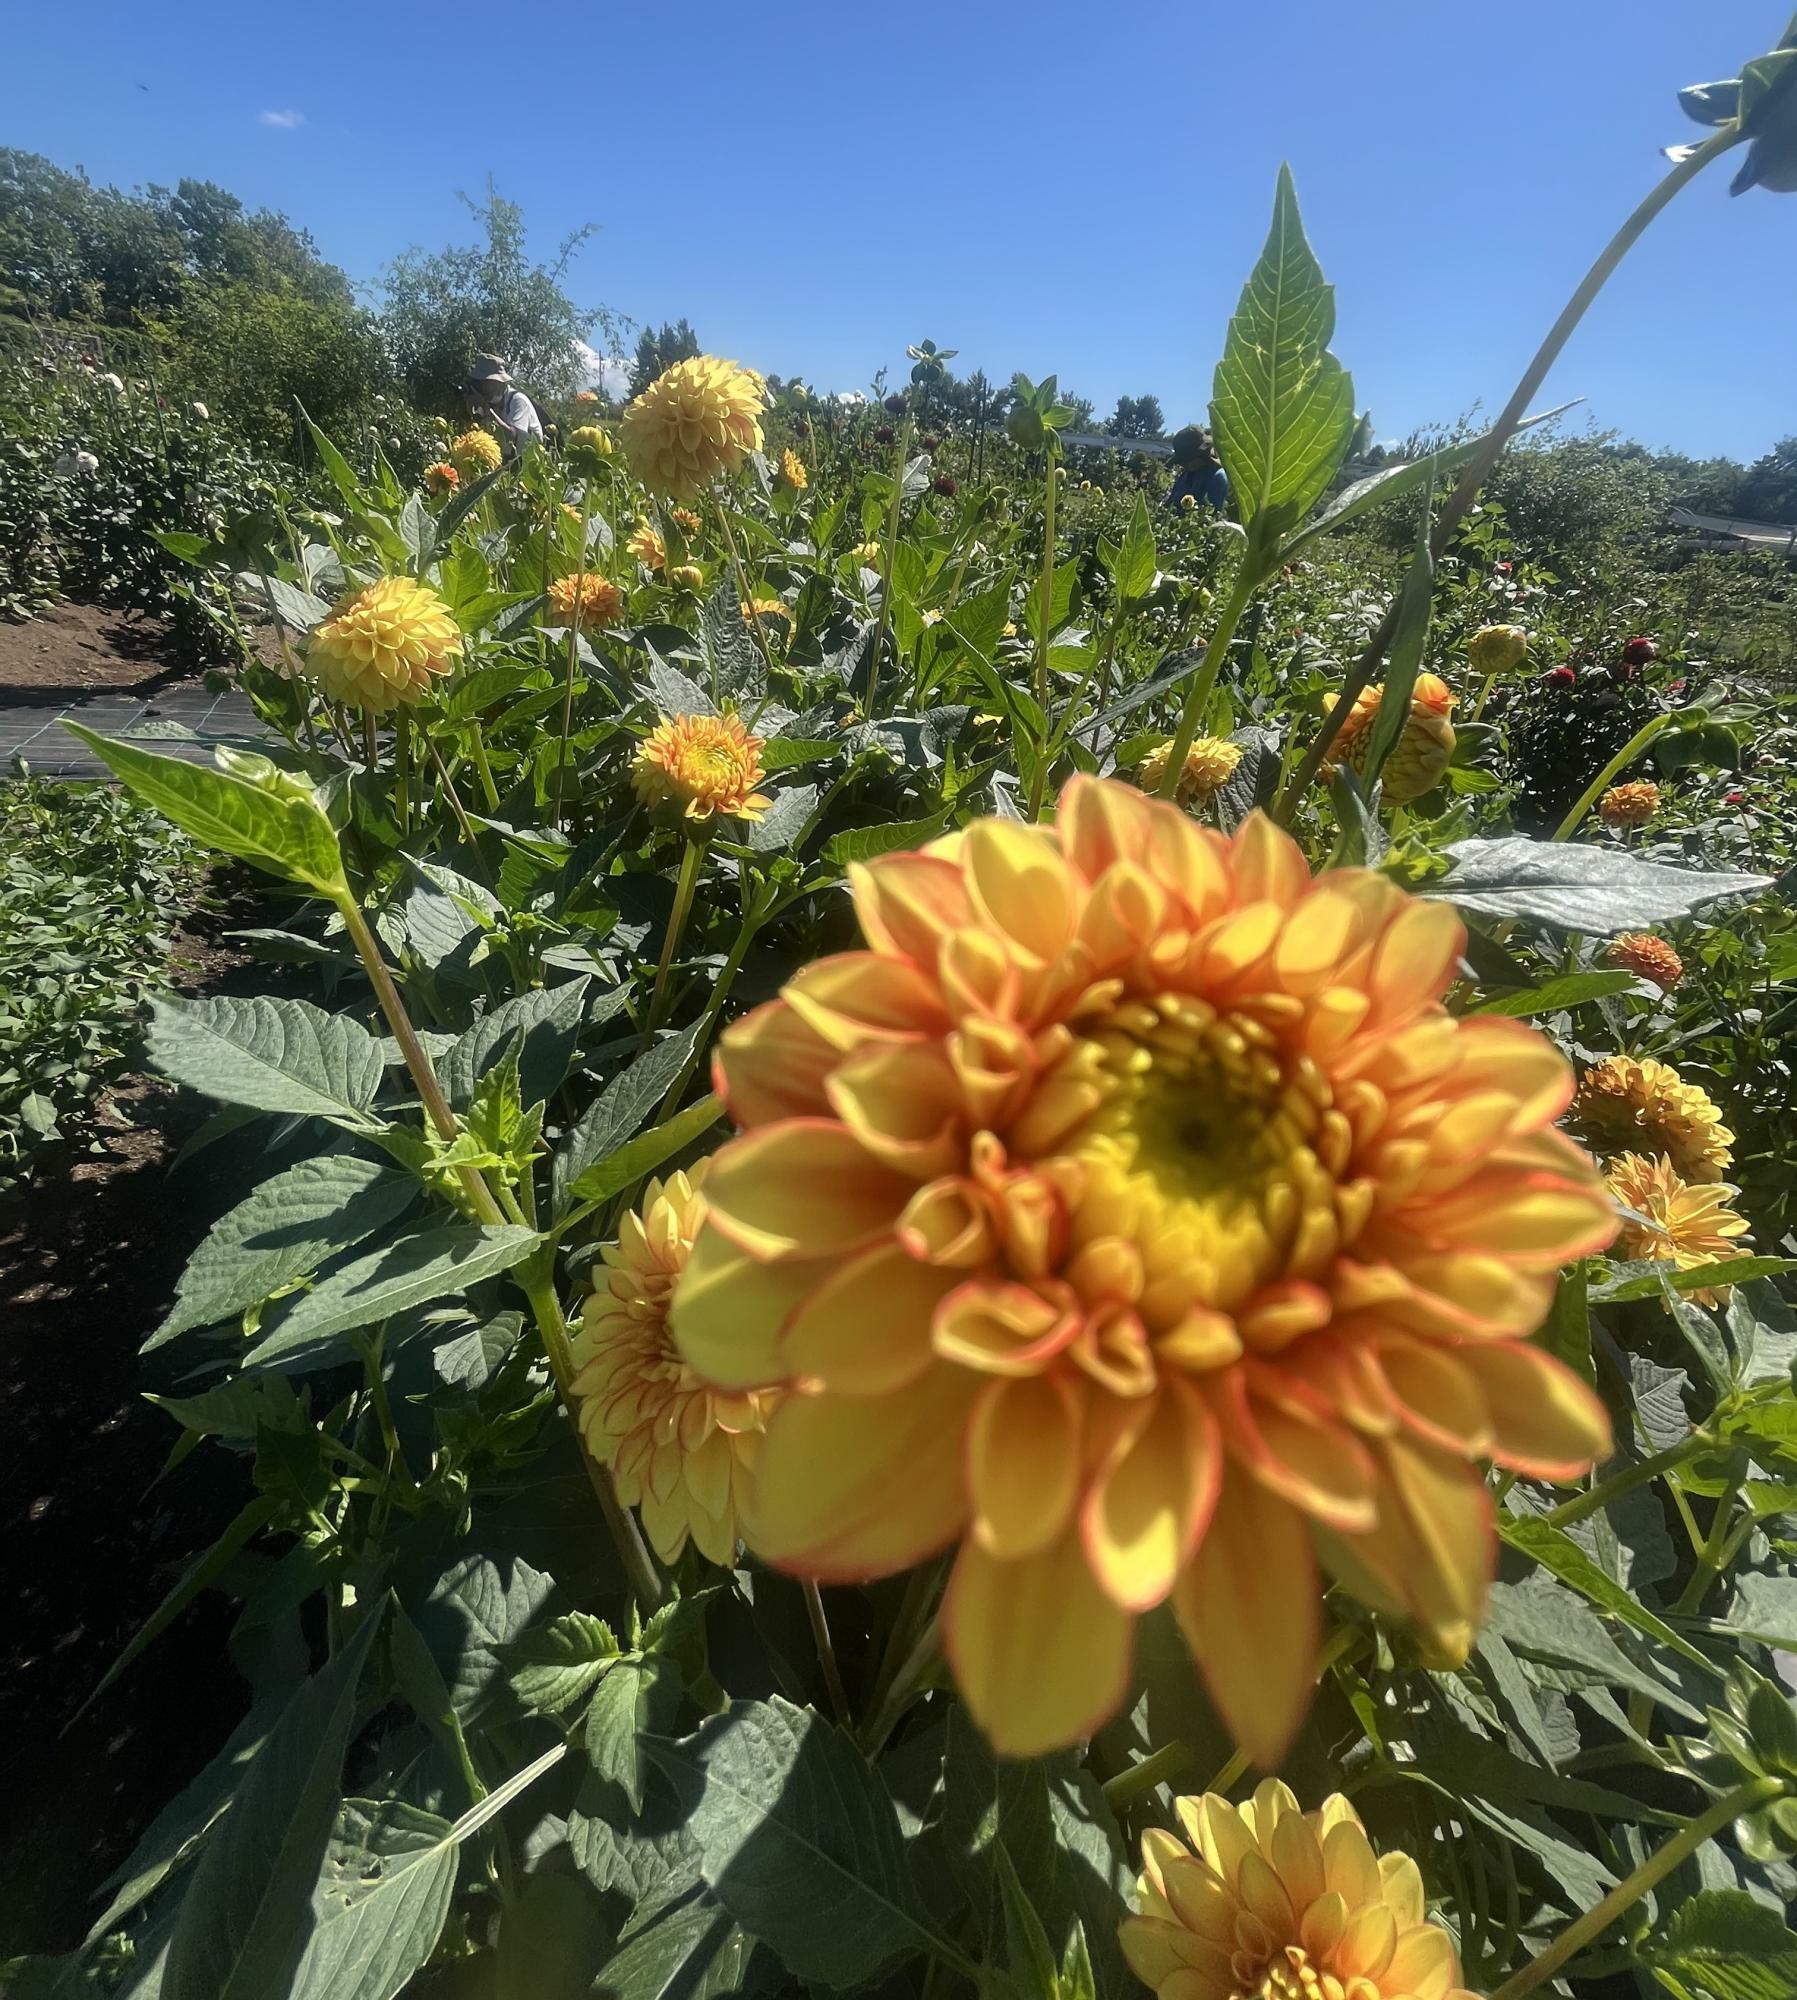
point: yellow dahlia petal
(1041, 1654)
(865, 1330)
(384, 645)
(730, 1307)
(1151, 1496)
(700, 418)
(1023, 1465)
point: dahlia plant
(943, 1200)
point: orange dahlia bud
(1497, 649)
(648, 548)
(687, 521)
(1209, 764)
(1681, 1224)
(585, 600)
(681, 1453)
(442, 478)
(698, 419)
(1268, 1902)
(689, 574)
(1131, 1213)
(704, 764)
(591, 439)
(1647, 1107)
(475, 452)
(1629, 805)
(384, 645)
(1647, 957)
(792, 470)
(1420, 755)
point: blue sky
(1045, 186)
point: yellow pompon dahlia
(792, 470)
(1629, 805)
(1131, 1213)
(475, 452)
(765, 605)
(1686, 1226)
(1647, 1107)
(705, 764)
(1647, 957)
(1497, 649)
(868, 554)
(648, 548)
(585, 600)
(688, 522)
(592, 439)
(384, 645)
(1210, 763)
(1264, 1901)
(442, 478)
(681, 1453)
(1420, 755)
(699, 418)
(689, 574)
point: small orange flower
(1132, 1214)
(1647, 1107)
(688, 521)
(1269, 1902)
(442, 478)
(1629, 805)
(647, 546)
(681, 1453)
(1647, 957)
(1683, 1225)
(705, 764)
(384, 646)
(1421, 754)
(586, 395)
(585, 600)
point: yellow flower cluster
(1268, 1902)
(1497, 649)
(765, 605)
(592, 440)
(705, 765)
(1209, 765)
(475, 452)
(792, 470)
(647, 546)
(384, 646)
(680, 1452)
(1421, 754)
(1130, 1215)
(700, 418)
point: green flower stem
(1625, 1481)
(1601, 783)
(1147, 1772)
(1654, 1870)
(677, 916)
(478, 744)
(1039, 776)
(418, 1062)
(453, 796)
(1472, 477)
(909, 1680)
(561, 762)
(1199, 693)
(645, 1581)
(826, 1651)
(892, 535)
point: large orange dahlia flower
(1273, 1903)
(1682, 1223)
(1131, 1213)
(1423, 750)
(704, 764)
(1625, 1105)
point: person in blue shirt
(1198, 472)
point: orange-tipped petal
(1023, 1464)
(805, 1188)
(1545, 1422)
(865, 1330)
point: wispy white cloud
(283, 121)
(607, 372)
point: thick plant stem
(418, 1062)
(1654, 1870)
(1473, 474)
(1601, 783)
(1044, 609)
(478, 744)
(640, 1571)
(1619, 1483)
(677, 916)
(1199, 693)
(826, 1651)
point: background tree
(657, 349)
(1137, 417)
(1769, 488)
(443, 307)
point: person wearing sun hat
(490, 388)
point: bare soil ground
(72, 650)
(92, 1534)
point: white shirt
(519, 415)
